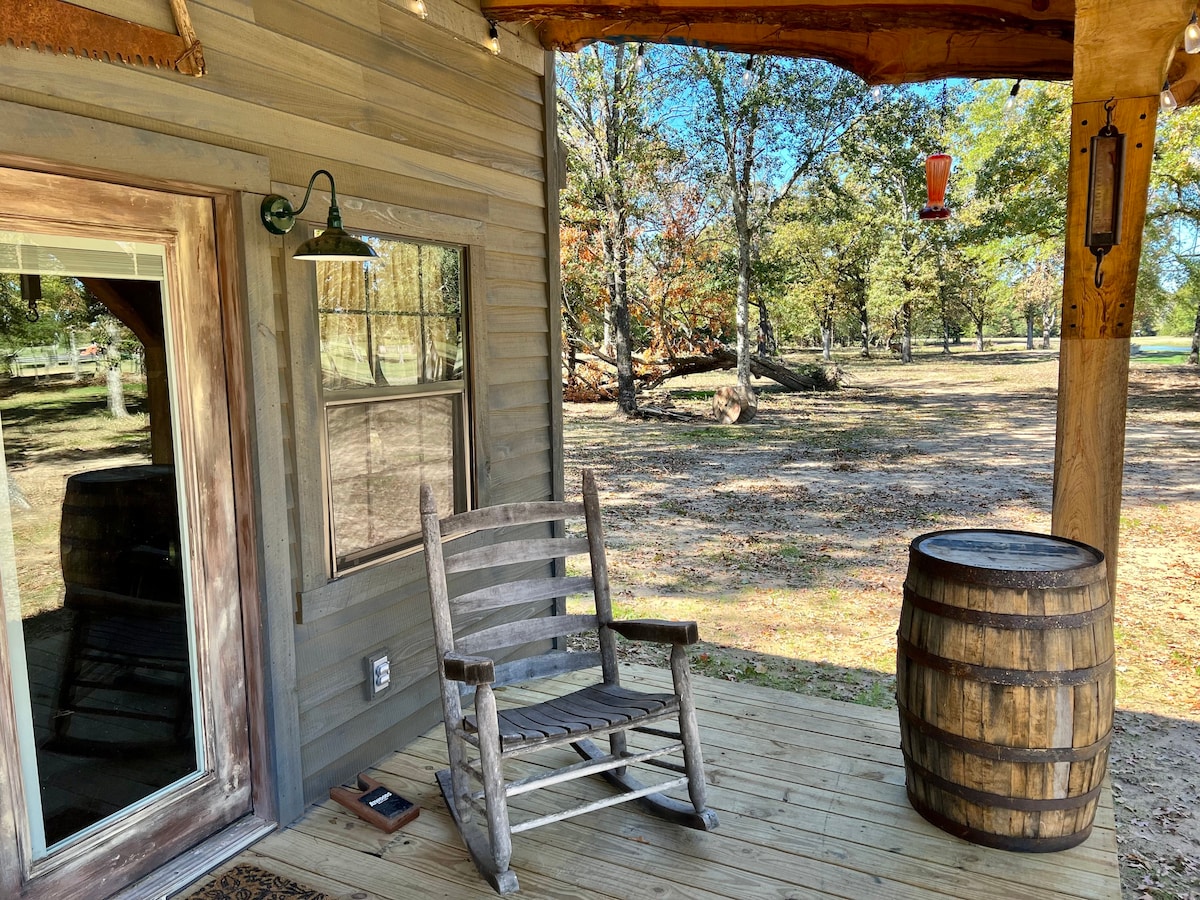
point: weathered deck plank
(811, 798)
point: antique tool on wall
(55, 26)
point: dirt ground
(787, 540)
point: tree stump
(734, 405)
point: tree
(1174, 209)
(886, 158)
(822, 250)
(111, 335)
(758, 127)
(1039, 294)
(603, 100)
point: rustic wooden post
(1120, 60)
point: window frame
(464, 439)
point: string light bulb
(639, 62)
(493, 43)
(1010, 105)
(1191, 36)
(876, 93)
(748, 72)
(1166, 100)
(421, 9)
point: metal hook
(1109, 106)
(1099, 251)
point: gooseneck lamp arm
(333, 244)
(279, 215)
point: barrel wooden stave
(106, 514)
(958, 775)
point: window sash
(393, 360)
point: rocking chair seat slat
(614, 708)
(577, 713)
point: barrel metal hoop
(1009, 621)
(1004, 752)
(990, 800)
(989, 675)
(999, 841)
(1077, 576)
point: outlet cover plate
(379, 674)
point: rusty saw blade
(55, 26)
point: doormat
(247, 882)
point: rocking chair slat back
(544, 665)
(510, 552)
(513, 592)
(511, 514)
(526, 631)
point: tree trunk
(619, 291)
(743, 309)
(1194, 356)
(1029, 330)
(767, 345)
(978, 335)
(1049, 316)
(906, 333)
(864, 331)
(827, 342)
(112, 375)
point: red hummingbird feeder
(937, 175)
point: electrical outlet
(379, 674)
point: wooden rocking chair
(479, 744)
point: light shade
(1191, 36)
(937, 176)
(1166, 100)
(334, 245)
(331, 245)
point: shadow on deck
(812, 803)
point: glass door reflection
(95, 588)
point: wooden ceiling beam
(882, 41)
(884, 57)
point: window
(392, 371)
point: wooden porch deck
(811, 798)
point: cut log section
(734, 405)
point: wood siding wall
(429, 136)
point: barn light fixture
(421, 9)
(876, 93)
(1191, 36)
(332, 244)
(1105, 191)
(639, 61)
(937, 175)
(493, 43)
(1166, 100)
(1010, 104)
(748, 72)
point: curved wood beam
(884, 41)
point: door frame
(229, 286)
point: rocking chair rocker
(480, 743)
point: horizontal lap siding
(403, 112)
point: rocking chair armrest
(659, 631)
(473, 670)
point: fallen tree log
(592, 381)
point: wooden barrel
(1004, 681)
(119, 529)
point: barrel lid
(122, 474)
(990, 554)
